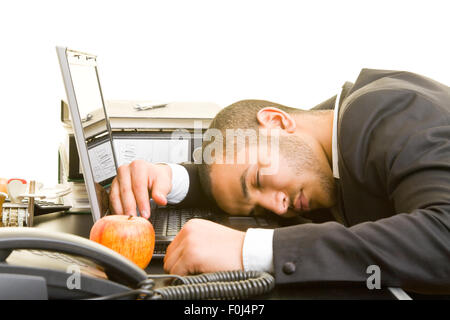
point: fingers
(139, 183)
(130, 188)
(180, 252)
(160, 189)
(172, 257)
(114, 198)
(126, 192)
(179, 268)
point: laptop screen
(87, 111)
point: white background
(292, 52)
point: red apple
(132, 237)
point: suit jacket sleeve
(195, 197)
(412, 169)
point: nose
(277, 202)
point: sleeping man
(377, 155)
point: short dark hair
(241, 114)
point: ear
(273, 118)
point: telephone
(40, 264)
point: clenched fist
(204, 246)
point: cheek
(280, 180)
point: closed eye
(258, 182)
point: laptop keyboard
(167, 222)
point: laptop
(98, 158)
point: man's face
(300, 179)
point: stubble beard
(301, 159)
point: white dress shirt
(257, 252)
(180, 184)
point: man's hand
(135, 182)
(204, 246)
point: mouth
(301, 202)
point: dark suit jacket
(393, 190)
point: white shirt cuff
(180, 184)
(257, 252)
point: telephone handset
(51, 257)
(55, 255)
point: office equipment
(25, 200)
(31, 203)
(98, 153)
(15, 212)
(44, 207)
(132, 115)
(16, 187)
(3, 197)
(69, 166)
(70, 174)
(64, 266)
(176, 132)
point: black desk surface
(80, 224)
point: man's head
(290, 176)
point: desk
(80, 224)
